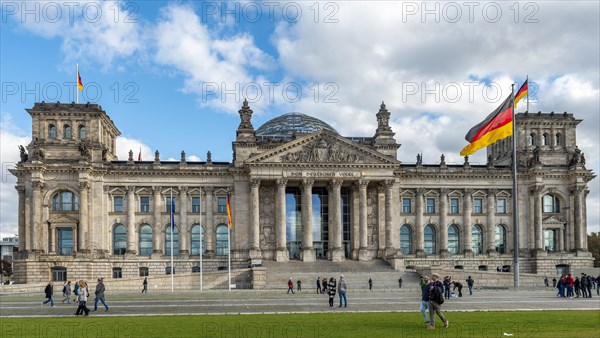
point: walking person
(67, 292)
(546, 281)
(331, 290)
(49, 291)
(598, 285)
(424, 308)
(400, 283)
(343, 287)
(82, 298)
(290, 286)
(370, 284)
(470, 283)
(100, 295)
(324, 285)
(318, 284)
(298, 285)
(554, 282)
(436, 299)
(145, 284)
(76, 291)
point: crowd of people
(81, 292)
(578, 287)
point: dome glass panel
(285, 126)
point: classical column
(444, 222)
(467, 223)
(22, 231)
(578, 194)
(364, 252)
(308, 252)
(131, 244)
(82, 241)
(209, 228)
(389, 218)
(380, 233)
(419, 226)
(36, 215)
(183, 221)
(156, 229)
(491, 223)
(255, 251)
(355, 221)
(537, 217)
(337, 254)
(281, 254)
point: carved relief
(323, 150)
(372, 217)
(267, 217)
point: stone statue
(536, 156)
(23, 154)
(442, 160)
(83, 150)
(104, 153)
(182, 156)
(467, 160)
(156, 156)
(489, 159)
(208, 157)
(582, 160)
(419, 159)
(130, 159)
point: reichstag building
(299, 191)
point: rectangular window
(143, 272)
(168, 204)
(406, 205)
(65, 241)
(431, 205)
(117, 273)
(118, 203)
(196, 204)
(501, 206)
(222, 204)
(478, 206)
(454, 205)
(144, 204)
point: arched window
(477, 239)
(453, 239)
(175, 240)
(222, 240)
(65, 201)
(500, 239)
(557, 139)
(119, 239)
(67, 132)
(405, 239)
(196, 239)
(429, 235)
(531, 140)
(52, 131)
(551, 203)
(145, 244)
(81, 132)
(546, 139)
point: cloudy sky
(172, 75)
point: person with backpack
(67, 292)
(436, 299)
(290, 286)
(470, 283)
(76, 291)
(100, 289)
(446, 283)
(49, 290)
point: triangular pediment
(62, 219)
(322, 146)
(553, 220)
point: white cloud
(125, 144)
(10, 137)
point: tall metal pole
(77, 83)
(229, 240)
(172, 267)
(515, 210)
(201, 239)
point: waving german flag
(521, 93)
(496, 126)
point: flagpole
(527, 81)
(229, 243)
(77, 83)
(172, 267)
(201, 241)
(515, 210)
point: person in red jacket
(569, 282)
(290, 286)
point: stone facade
(294, 196)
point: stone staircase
(356, 273)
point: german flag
(496, 126)
(229, 213)
(521, 93)
(79, 83)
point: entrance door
(294, 249)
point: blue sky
(167, 71)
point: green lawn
(462, 324)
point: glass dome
(285, 126)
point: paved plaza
(277, 301)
